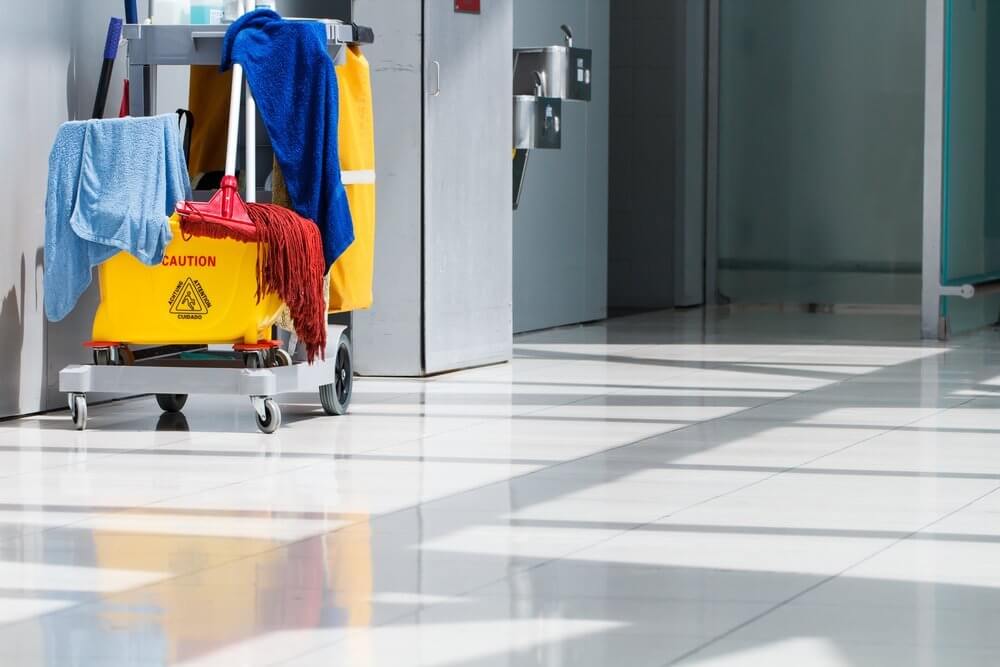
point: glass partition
(970, 231)
(820, 151)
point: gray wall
(51, 59)
(561, 227)
(656, 197)
(645, 79)
(37, 78)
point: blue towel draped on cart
(294, 83)
(112, 186)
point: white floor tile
(733, 488)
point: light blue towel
(112, 186)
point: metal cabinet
(443, 266)
(467, 184)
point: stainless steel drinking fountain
(543, 78)
(565, 68)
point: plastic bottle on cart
(232, 10)
(171, 12)
(206, 12)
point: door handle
(437, 78)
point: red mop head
(223, 216)
(290, 262)
(289, 254)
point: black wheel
(78, 410)
(251, 360)
(171, 402)
(102, 356)
(336, 397)
(272, 417)
(172, 421)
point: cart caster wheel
(172, 403)
(78, 410)
(336, 397)
(282, 358)
(119, 355)
(252, 360)
(271, 420)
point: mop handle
(232, 132)
(232, 136)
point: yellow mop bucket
(204, 291)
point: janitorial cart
(193, 324)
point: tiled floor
(692, 488)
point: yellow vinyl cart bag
(351, 274)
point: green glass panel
(820, 158)
(970, 235)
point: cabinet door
(467, 184)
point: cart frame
(259, 372)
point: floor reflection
(710, 488)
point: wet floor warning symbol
(189, 301)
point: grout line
(687, 372)
(875, 553)
(639, 526)
(828, 579)
(284, 545)
(420, 608)
(96, 453)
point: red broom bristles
(289, 262)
